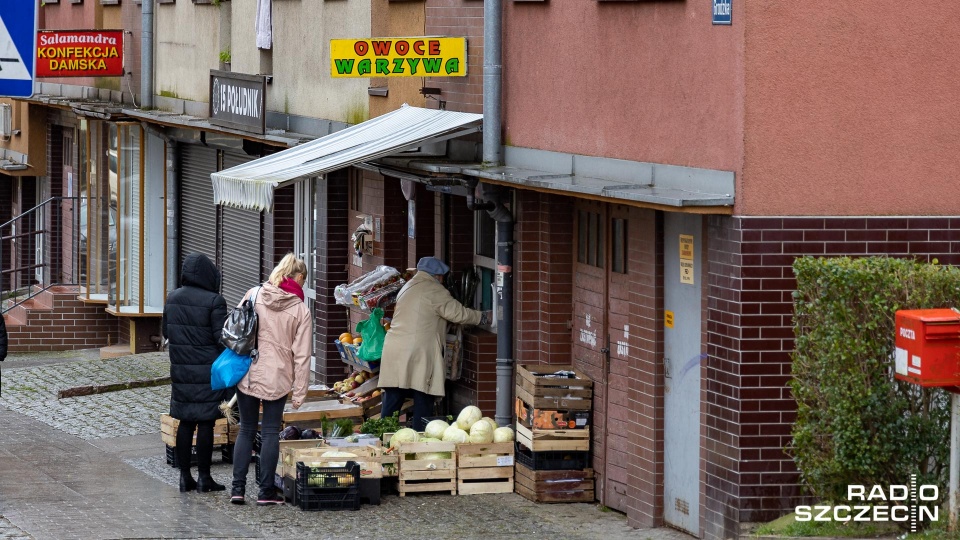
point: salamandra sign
(398, 57)
(80, 53)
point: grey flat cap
(433, 265)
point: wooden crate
(427, 475)
(555, 486)
(221, 431)
(547, 440)
(368, 457)
(550, 393)
(485, 468)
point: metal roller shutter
(198, 214)
(240, 242)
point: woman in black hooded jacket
(192, 320)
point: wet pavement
(95, 467)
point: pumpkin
(346, 337)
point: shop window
(122, 224)
(590, 236)
(618, 248)
(97, 217)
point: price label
(504, 461)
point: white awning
(251, 185)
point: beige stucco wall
(851, 108)
(641, 81)
(186, 49)
(397, 19)
(302, 31)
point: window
(355, 190)
(484, 258)
(618, 249)
(590, 236)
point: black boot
(206, 483)
(187, 483)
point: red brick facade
(56, 320)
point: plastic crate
(328, 488)
(370, 490)
(172, 456)
(551, 461)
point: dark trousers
(269, 441)
(393, 399)
(204, 445)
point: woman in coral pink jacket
(283, 363)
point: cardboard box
(533, 418)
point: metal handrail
(58, 246)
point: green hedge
(855, 423)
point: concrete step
(115, 351)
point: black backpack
(240, 329)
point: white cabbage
(435, 429)
(491, 421)
(455, 434)
(481, 432)
(502, 434)
(470, 415)
(335, 453)
(404, 435)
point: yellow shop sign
(399, 57)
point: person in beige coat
(412, 363)
(282, 363)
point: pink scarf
(291, 286)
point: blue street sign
(722, 11)
(18, 47)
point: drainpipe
(146, 54)
(492, 30)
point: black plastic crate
(370, 490)
(330, 499)
(328, 488)
(172, 456)
(553, 460)
(226, 453)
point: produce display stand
(553, 407)
(543, 440)
(427, 475)
(311, 412)
(537, 387)
(555, 486)
(485, 468)
(348, 353)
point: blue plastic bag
(228, 369)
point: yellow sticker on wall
(668, 319)
(686, 247)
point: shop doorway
(682, 285)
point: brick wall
(748, 410)
(422, 245)
(543, 278)
(56, 321)
(478, 379)
(330, 320)
(459, 18)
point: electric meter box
(928, 347)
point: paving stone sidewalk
(94, 467)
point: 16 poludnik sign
(80, 53)
(399, 57)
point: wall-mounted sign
(722, 11)
(399, 57)
(80, 53)
(686, 247)
(237, 101)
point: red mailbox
(928, 346)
